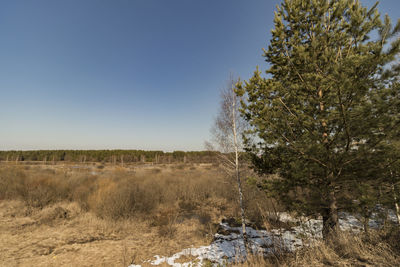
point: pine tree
(330, 98)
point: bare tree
(227, 139)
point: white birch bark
(396, 204)
(226, 133)
(237, 170)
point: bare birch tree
(227, 134)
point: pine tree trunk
(367, 215)
(330, 218)
(366, 225)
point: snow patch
(228, 245)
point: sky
(125, 74)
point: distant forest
(111, 156)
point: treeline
(111, 156)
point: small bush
(120, 199)
(35, 191)
(41, 192)
(165, 221)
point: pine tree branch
(346, 128)
(292, 146)
(297, 118)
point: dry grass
(120, 193)
(114, 215)
(67, 215)
(345, 249)
(64, 235)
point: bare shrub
(82, 187)
(165, 221)
(120, 199)
(120, 194)
(52, 213)
(40, 192)
(36, 191)
(12, 183)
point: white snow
(230, 247)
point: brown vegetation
(121, 193)
(345, 249)
(68, 214)
(113, 216)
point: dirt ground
(63, 235)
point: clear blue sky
(128, 74)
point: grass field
(112, 215)
(94, 215)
